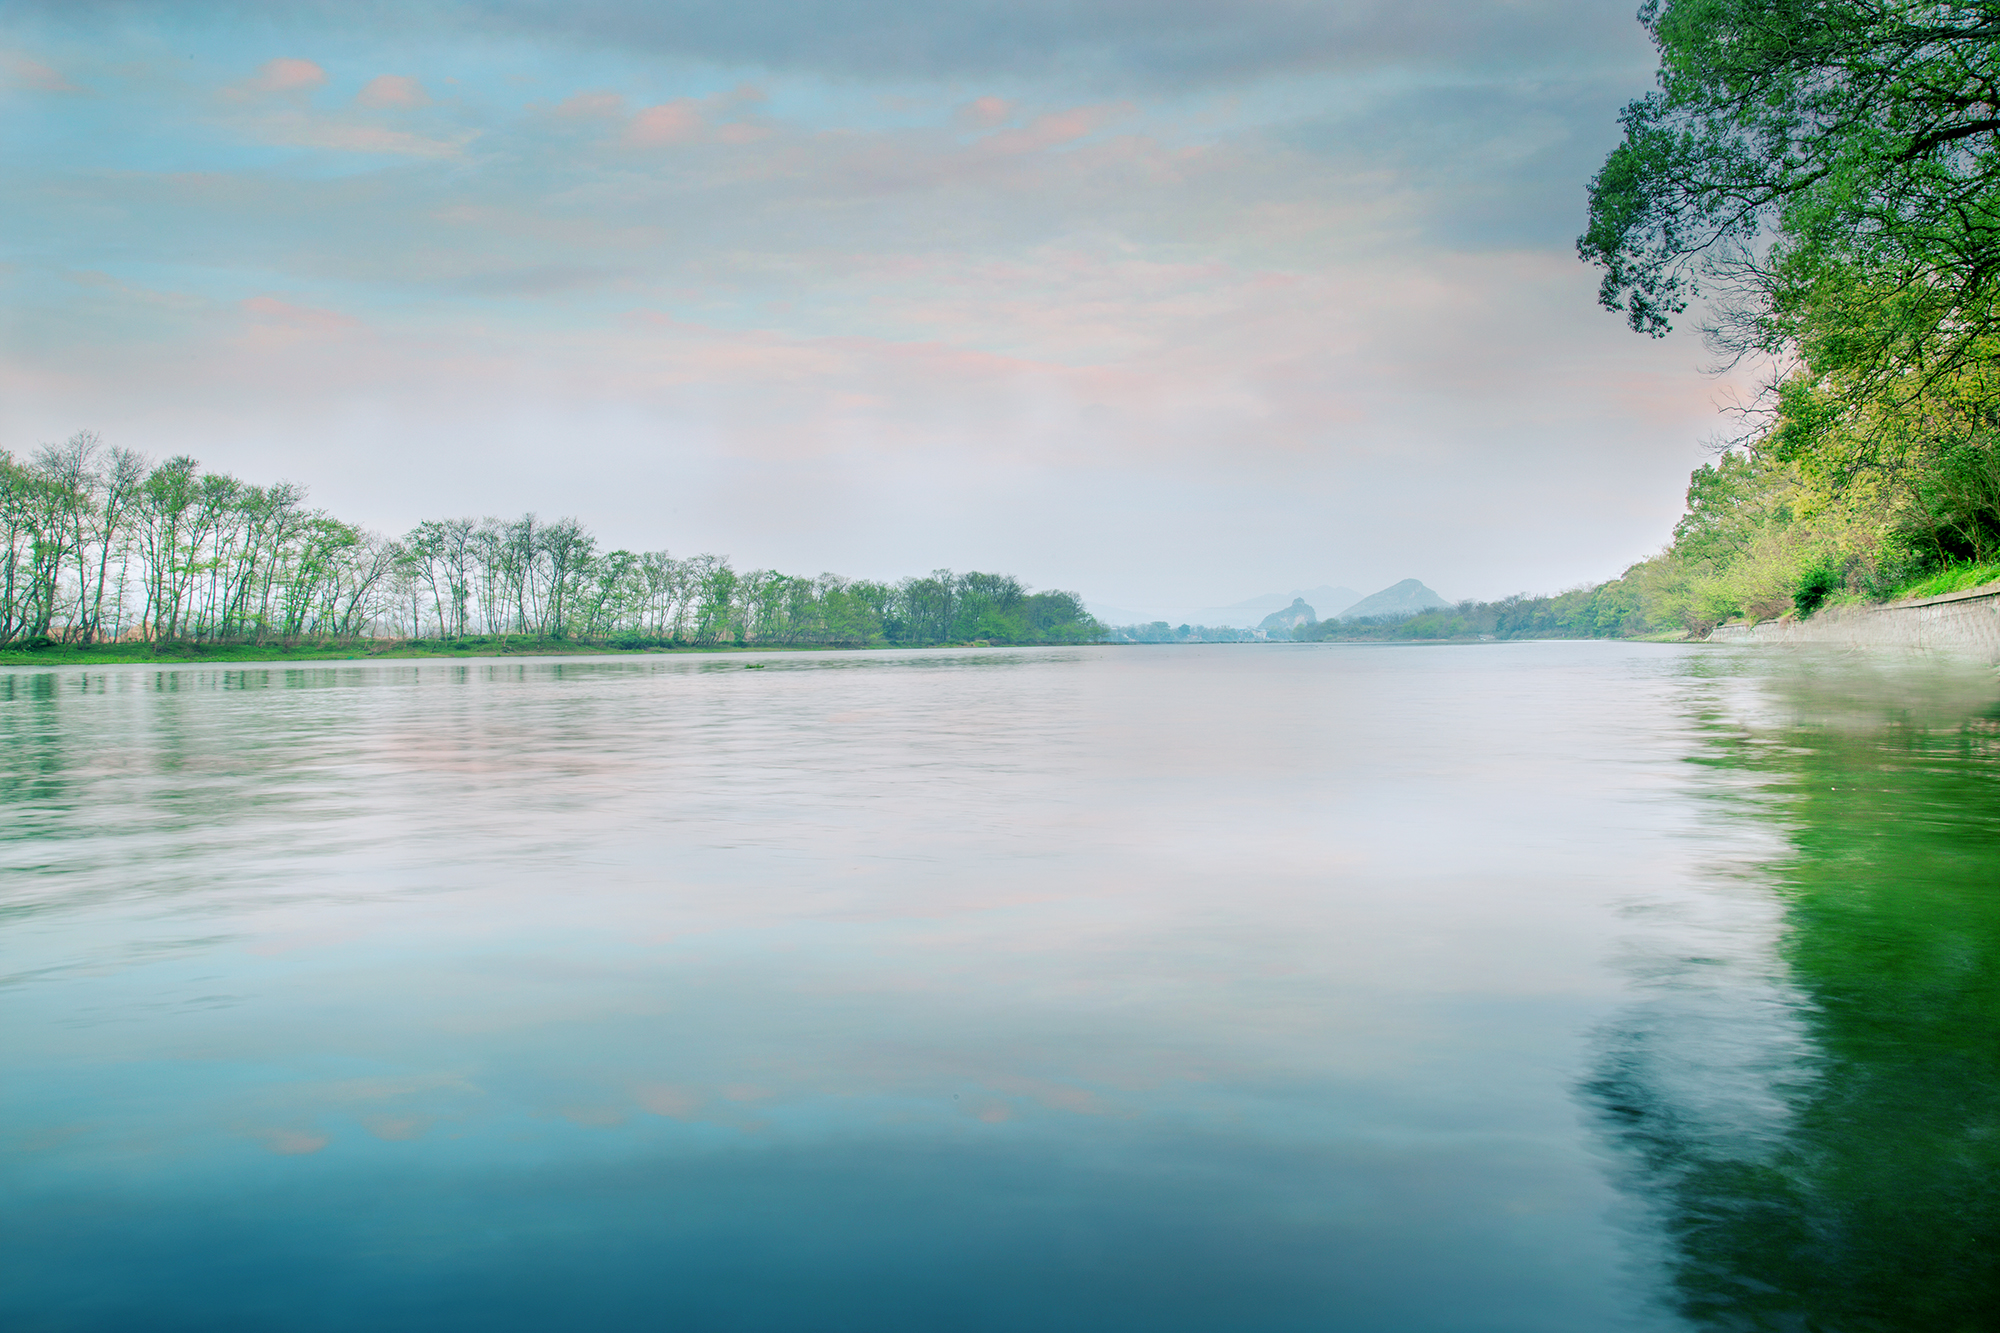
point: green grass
(109, 654)
(1954, 578)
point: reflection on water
(1851, 1179)
(1160, 989)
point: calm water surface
(1343, 987)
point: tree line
(1619, 608)
(99, 544)
(1159, 631)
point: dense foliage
(1616, 609)
(99, 545)
(1829, 174)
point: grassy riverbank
(1955, 578)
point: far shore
(378, 650)
(365, 650)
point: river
(1253, 987)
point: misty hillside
(1326, 600)
(1290, 618)
(1400, 599)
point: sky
(1168, 302)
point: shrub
(1821, 579)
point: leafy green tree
(717, 618)
(1831, 157)
(1729, 502)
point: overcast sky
(1171, 302)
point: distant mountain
(1270, 601)
(1327, 599)
(1400, 599)
(1335, 600)
(1289, 619)
(1330, 600)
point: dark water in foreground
(1342, 987)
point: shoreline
(1965, 622)
(184, 655)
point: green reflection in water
(1864, 1194)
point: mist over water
(1508, 987)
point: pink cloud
(1055, 129)
(292, 1142)
(742, 100)
(669, 122)
(592, 104)
(298, 319)
(742, 95)
(986, 112)
(297, 126)
(399, 1129)
(667, 1100)
(681, 120)
(393, 90)
(373, 139)
(286, 75)
(32, 74)
(1055, 1096)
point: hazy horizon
(1164, 305)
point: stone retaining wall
(1961, 623)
